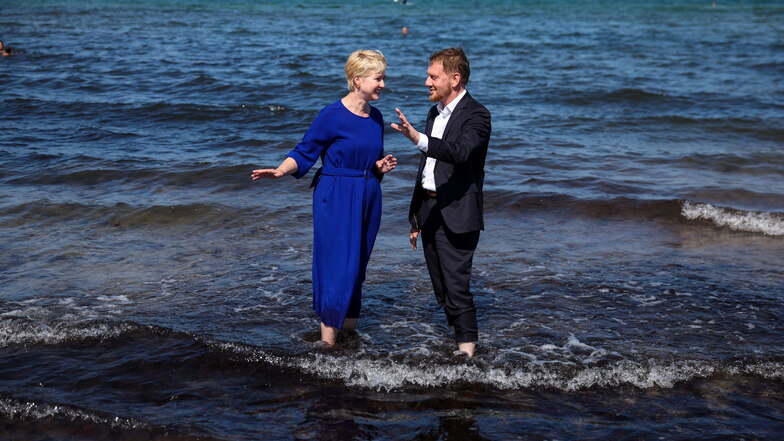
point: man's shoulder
(470, 101)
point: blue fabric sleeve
(379, 118)
(307, 152)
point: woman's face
(372, 85)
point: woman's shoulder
(336, 106)
(328, 112)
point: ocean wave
(92, 171)
(20, 331)
(389, 372)
(40, 419)
(758, 128)
(270, 117)
(672, 211)
(753, 163)
(181, 214)
(622, 207)
(121, 214)
(767, 223)
(630, 96)
(15, 409)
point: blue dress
(346, 205)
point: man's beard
(436, 97)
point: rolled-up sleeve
(423, 142)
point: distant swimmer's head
(363, 63)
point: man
(446, 207)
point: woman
(348, 137)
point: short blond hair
(362, 63)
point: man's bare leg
(468, 348)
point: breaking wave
(389, 375)
(771, 224)
(16, 409)
(383, 372)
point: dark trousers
(449, 258)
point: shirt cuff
(423, 142)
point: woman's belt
(347, 172)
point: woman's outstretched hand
(266, 173)
(287, 167)
(386, 164)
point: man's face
(439, 83)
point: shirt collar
(451, 106)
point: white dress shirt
(439, 125)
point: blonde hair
(362, 63)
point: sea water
(629, 281)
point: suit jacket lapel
(431, 117)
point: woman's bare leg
(329, 334)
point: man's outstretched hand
(405, 127)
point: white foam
(754, 222)
(383, 374)
(11, 409)
(390, 374)
(14, 332)
(768, 370)
(114, 299)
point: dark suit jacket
(459, 172)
